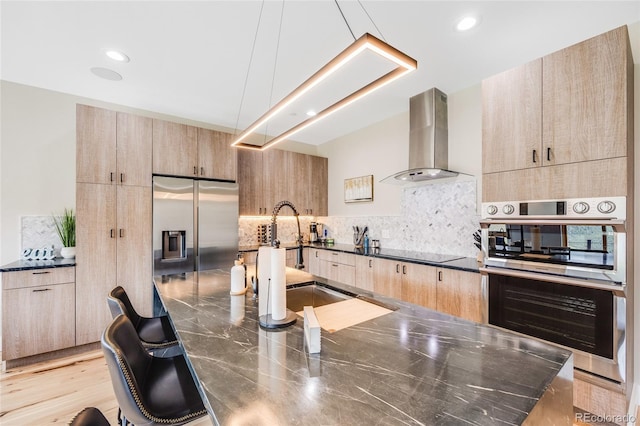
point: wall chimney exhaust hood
(428, 140)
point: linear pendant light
(405, 64)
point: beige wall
(37, 155)
(383, 149)
(379, 150)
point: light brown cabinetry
(568, 113)
(175, 149)
(364, 272)
(113, 224)
(216, 157)
(262, 181)
(586, 96)
(113, 247)
(309, 177)
(38, 311)
(250, 183)
(112, 147)
(333, 265)
(182, 150)
(512, 119)
(276, 179)
(266, 178)
(459, 293)
(409, 282)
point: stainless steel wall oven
(556, 270)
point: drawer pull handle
(369, 263)
(404, 269)
(121, 177)
(549, 154)
(111, 177)
(333, 264)
(41, 273)
(439, 275)
(397, 268)
(534, 156)
(121, 233)
(41, 290)
(112, 233)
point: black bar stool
(89, 416)
(154, 332)
(150, 390)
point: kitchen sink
(315, 295)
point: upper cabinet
(175, 149)
(112, 147)
(512, 119)
(585, 99)
(216, 156)
(309, 172)
(266, 178)
(572, 107)
(182, 150)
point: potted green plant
(66, 228)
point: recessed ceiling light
(466, 23)
(311, 113)
(106, 73)
(116, 55)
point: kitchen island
(411, 366)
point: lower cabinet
(460, 294)
(38, 311)
(409, 282)
(364, 272)
(452, 291)
(333, 265)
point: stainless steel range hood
(428, 139)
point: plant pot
(68, 252)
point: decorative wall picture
(358, 189)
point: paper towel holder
(269, 324)
(266, 321)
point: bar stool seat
(154, 332)
(150, 390)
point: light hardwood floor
(53, 392)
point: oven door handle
(616, 289)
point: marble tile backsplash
(435, 218)
(38, 232)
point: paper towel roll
(264, 274)
(278, 294)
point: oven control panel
(571, 208)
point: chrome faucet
(276, 243)
(274, 231)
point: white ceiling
(191, 59)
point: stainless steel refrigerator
(195, 225)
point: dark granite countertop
(25, 265)
(468, 264)
(411, 366)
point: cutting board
(339, 315)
